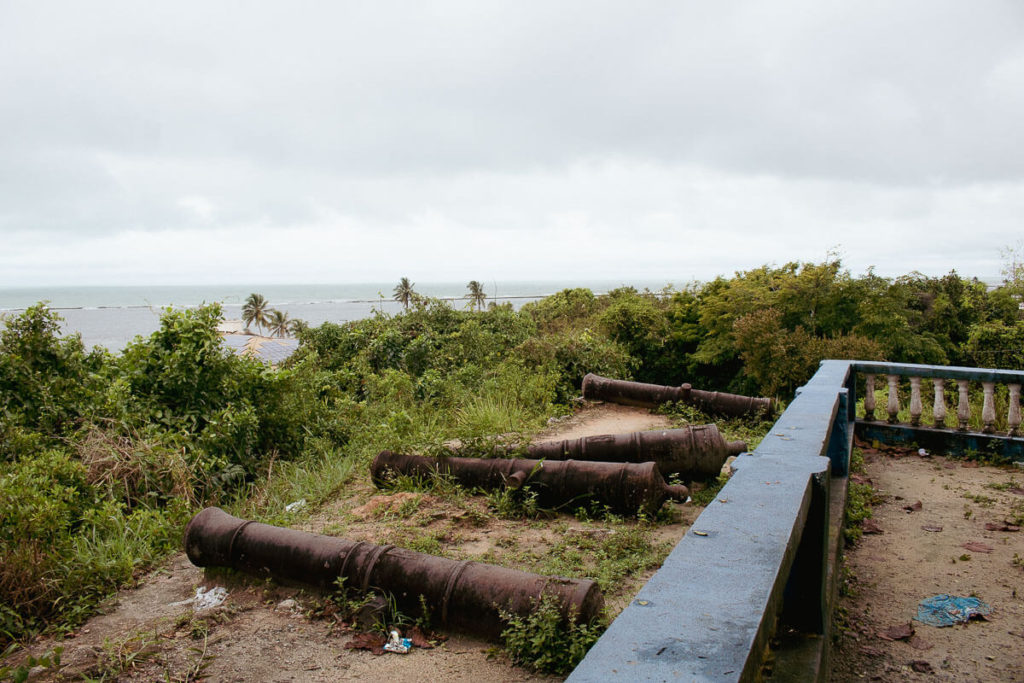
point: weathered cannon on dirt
(625, 488)
(466, 595)
(694, 451)
(600, 388)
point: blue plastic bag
(946, 610)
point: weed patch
(859, 499)
(704, 495)
(545, 641)
(605, 555)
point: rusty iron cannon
(626, 488)
(694, 451)
(466, 595)
(600, 388)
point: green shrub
(47, 383)
(65, 547)
(567, 308)
(997, 345)
(545, 641)
(779, 360)
(572, 354)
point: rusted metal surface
(694, 451)
(626, 488)
(462, 595)
(600, 388)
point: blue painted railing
(761, 558)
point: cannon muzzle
(600, 388)
(463, 595)
(626, 488)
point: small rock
(922, 667)
(288, 605)
(870, 527)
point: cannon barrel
(626, 488)
(600, 388)
(463, 595)
(694, 451)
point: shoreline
(160, 296)
(297, 303)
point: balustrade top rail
(939, 371)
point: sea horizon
(129, 296)
(112, 316)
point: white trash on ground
(297, 505)
(398, 644)
(205, 599)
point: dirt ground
(263, 631)
(929, 509)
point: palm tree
(255, 311)
(476, 294)
(297, 327)
(404, 292)
(278, 322)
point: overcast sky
(213, 142)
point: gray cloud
(519, 118)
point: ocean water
(113, 316)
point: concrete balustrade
(764, 554)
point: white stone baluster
(1013, 415)
(915, 402)
(963, 406)
(988, 407)
(939, 410)
(869, 398)
(894, 399)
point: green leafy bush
(997, 345)
(545, 641)
(570, 355)
(47, 383)
(562, 309)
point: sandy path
(604, 418)
(253, 638)
(906, 563)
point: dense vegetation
(103, 458)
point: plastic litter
(946, 610)
(297, 505)
(922, 452)
(205, 599)
(397, 644)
